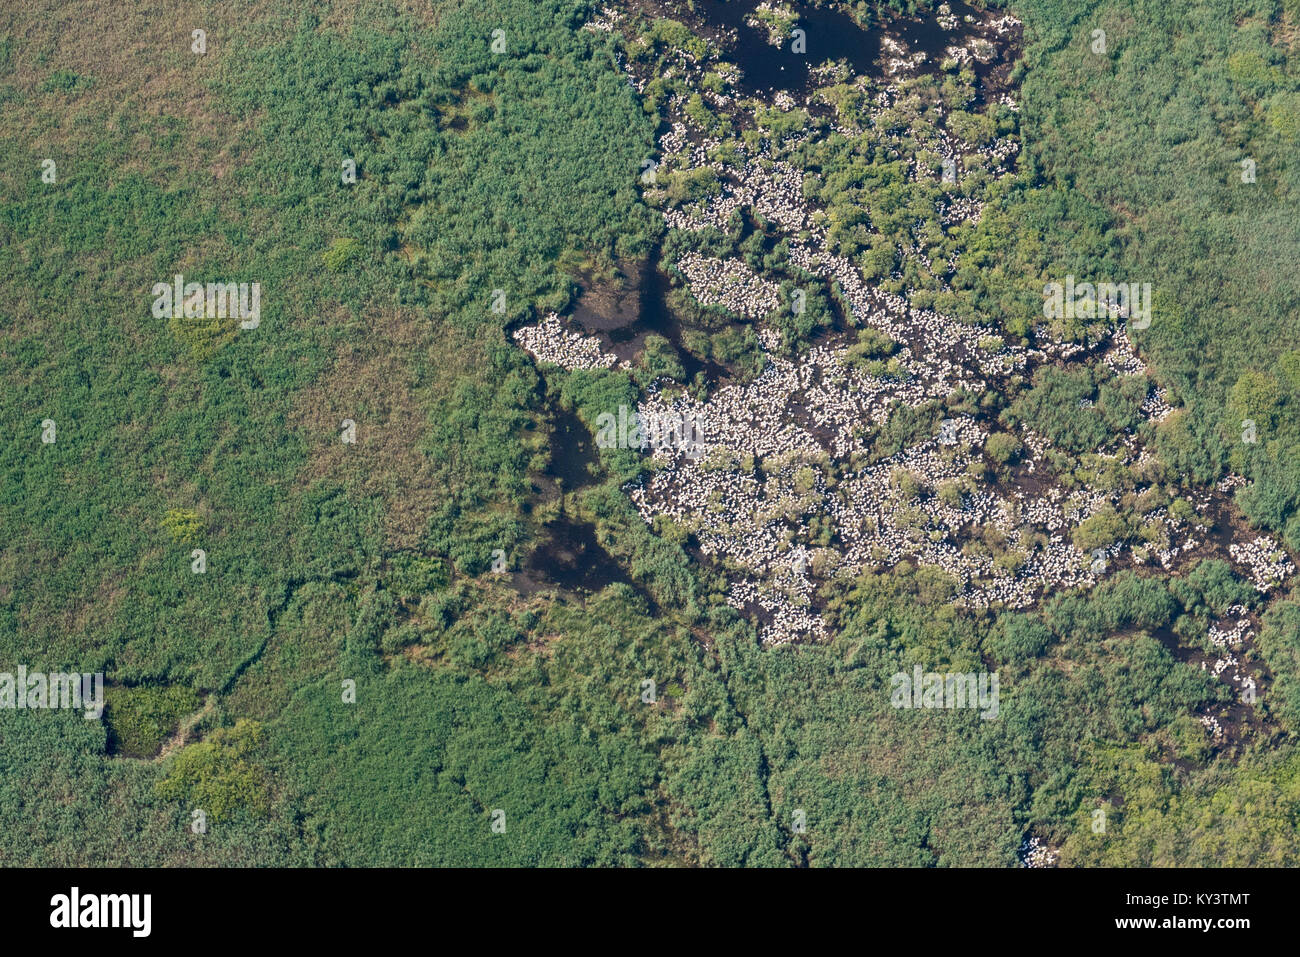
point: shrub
(340, 254)
(1003, 448)
(218, 776)
(1101, 530)
(183, 525)
(140, 719)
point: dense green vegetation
(140, 718)
(350, 681)
(1111, 192)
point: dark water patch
(611, 303)
(830, 35)
(625, 310)
(570, 561)
(574, 461)
(570, 557)
(659, 317)
(833, 35)
(1177, 649)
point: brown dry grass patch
(371, 383)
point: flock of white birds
(784, 496)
